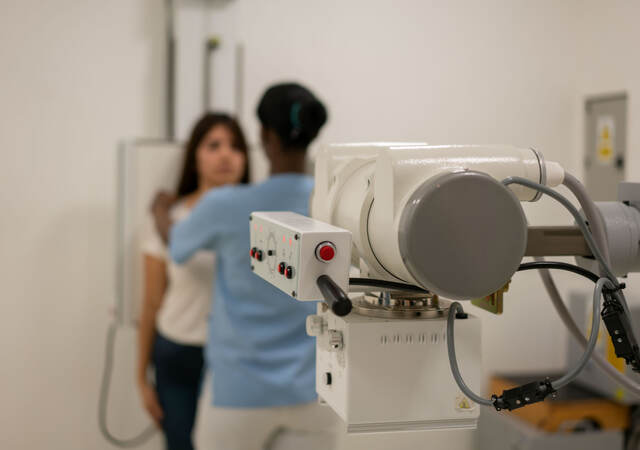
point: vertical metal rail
(239, 81)
(170, 106)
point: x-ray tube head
(462, 234)
(436, 216)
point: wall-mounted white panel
(145, 167)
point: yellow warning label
(605, 152)
(604, 139)
(463, 403)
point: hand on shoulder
(161, 210)
(162, 202)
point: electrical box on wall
(605, 144)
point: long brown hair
(188, 182)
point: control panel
(291, 251)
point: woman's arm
(204, 226)
(155, 284)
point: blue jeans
(178, 370)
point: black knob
(334, 296)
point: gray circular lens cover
(462, 235)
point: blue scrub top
(257, 346)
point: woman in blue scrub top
(262, 358)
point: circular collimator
(462, 235)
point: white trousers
(310, 427)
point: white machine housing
(292, 239)
(394, 375)
(622, 223)
(390, 372)
(349, 177)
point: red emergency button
(252, 252)
(325, 251)
(281, 268)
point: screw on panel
(296, 237)
(250, 217)
(293, 294)
(252, 268)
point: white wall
(76, 76)
(609, 63)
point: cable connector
(523, 395)
(619, 328)
(619, 287)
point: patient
(173, 323)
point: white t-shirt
(183, 315)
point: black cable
(392, 285)
(146, 434)
(537, 265)
(384, 284)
